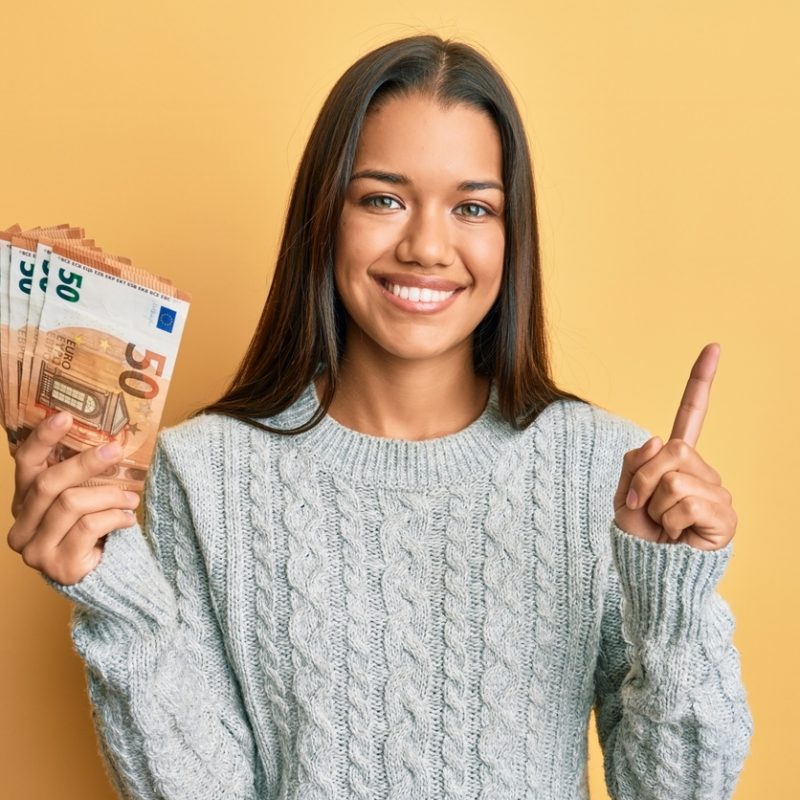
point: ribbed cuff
(127, 587)
(666, 586)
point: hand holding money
(88, 333)
(60, 522)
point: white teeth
(417, 295)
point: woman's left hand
(666, 492)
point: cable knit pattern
(502, 576)
(543, 620)
(337, 615)
(359, 670)
(456, 634)
(306, 572)
(405, 579)
(266, 576)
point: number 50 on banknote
(103, 348)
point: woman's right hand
(59, 526)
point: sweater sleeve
(672, 715)
(165, 703)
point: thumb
(631, 463)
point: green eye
(379, 201)
(476, 209)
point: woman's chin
(422, 351)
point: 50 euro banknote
(105, 348)
(85, 252)
(25, 287)
(16, 280)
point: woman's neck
(413, 402)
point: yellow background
(664, 138)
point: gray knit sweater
(336, 615)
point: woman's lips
(429, 307)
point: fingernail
(57, 420)
(632, 499)
(109, 451)
(132, 497)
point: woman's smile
(415, 298)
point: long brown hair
(302, 327)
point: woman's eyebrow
(399, 179)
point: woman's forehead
(413, 135)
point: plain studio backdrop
(664, 140)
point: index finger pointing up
(694, 403)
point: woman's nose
(426, 240)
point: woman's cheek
(484, 255)
(362, 241)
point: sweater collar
(367, 459)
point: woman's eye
(474, 210)
(379, 201)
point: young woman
(395, 560)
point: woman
(395, 560)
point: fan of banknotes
(89, 333)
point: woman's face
(422, 219)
